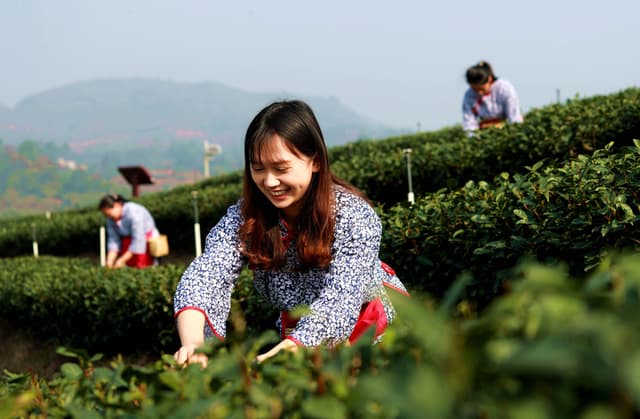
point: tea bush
(445, 158)
(571, 214)
(554, 347)
(448, 158)
(108, 310)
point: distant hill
(160, 123)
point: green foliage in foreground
(553, 347)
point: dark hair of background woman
(107, 201)
(480, 73)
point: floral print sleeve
(207, 283)
(351, 275)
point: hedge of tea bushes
(449, 158)
(571, 214)
(444, 158)
(555, 347)
(83, 305)
(76, 232)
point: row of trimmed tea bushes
(441, 158)
(553, 348)
(554, 132)
(111, 311)
(69, 233)
(574, 214)
(347, 152)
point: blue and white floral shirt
(334, 295)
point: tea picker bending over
(129, 227)
(310, 238)
(488, 101)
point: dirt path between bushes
(21, 352)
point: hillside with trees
(160, 123)
(100, 125)
(32, 180)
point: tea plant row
(445, 158)
(553, 347)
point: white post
(210, 150)
(205, 172)
(36, 253)
(103, 246)
(196, 232)
(196, 223)
(410, 196)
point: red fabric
(476, 106)
(138, 260)
(388, 269)
(371, 314)
(485, 122)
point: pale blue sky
(398, 63)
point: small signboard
(136, 176)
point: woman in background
(129, 227)
(489, 101)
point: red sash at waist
(138, 260)
(371, 314)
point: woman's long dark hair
(480, 73)
(295, 123)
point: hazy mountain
(5, 116)
(134, 112)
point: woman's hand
(286, 344)
(190, 325)
(119, 263)
(186, 355)
(111, 259)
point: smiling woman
(283, 175)
(310, 238)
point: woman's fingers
(186, 355)
(267, 354)
(285, 344)
(183, 354)
(199, 359)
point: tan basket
(159, 246)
